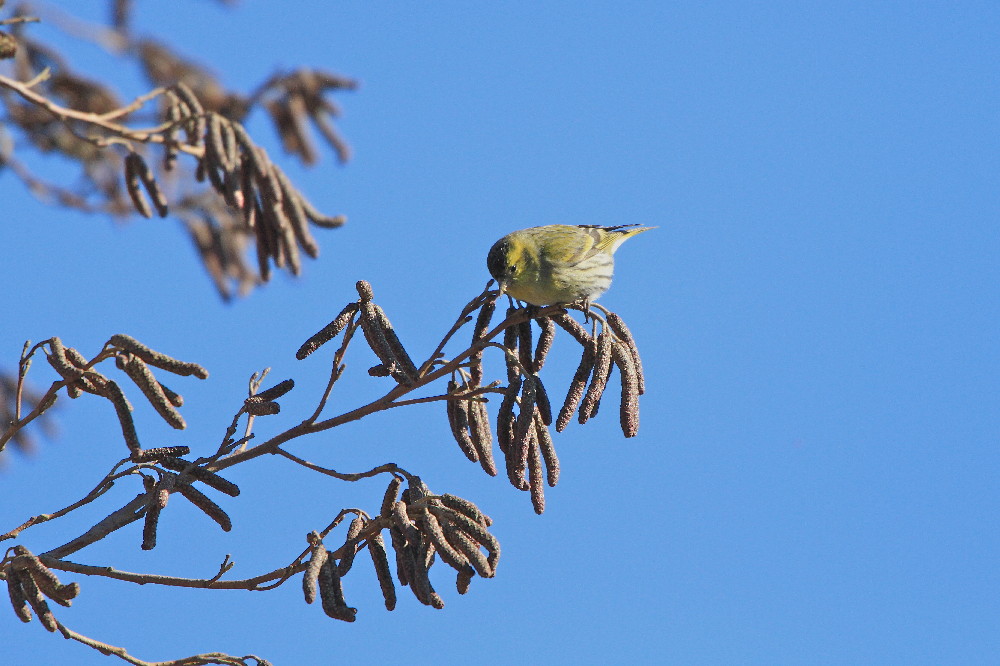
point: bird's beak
(503, 287)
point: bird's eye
(511, 269)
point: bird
(558, 263)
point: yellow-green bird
(558, 263)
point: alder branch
(194, 660)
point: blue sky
(815, 477)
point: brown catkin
(207, 477)
(482, 437)
(524, 353)
(478, 333)
(60, 363)
(463, 544)
(210, 508)
(311, 575)
(331, 592)
(157, 359)
(380, 560)
(256, 407)
(171, 115)
(276, 391)
(432, 529)
(405, 525)
(160, 452)
(214, 157)
(150, 523)
(629, 410)
(542, 400)
(403, 564)
(463, 580)
(625, 335)
(458, 419)
(377, 341)
(175, 399)
(599, 378)
(196, 127)
(544, 344)
(572, 326)
(510, 335)
(420, 582)
(390, 496)
(364, 290)
(351, 545)
(17, 599)
(536, 481)
(136, 168)
(37, 601)
(122, 409)
(474, 529)
(139, 200)
(548, 451)
(328, 332)
(163, 490)
(296, 211)
(398, 351)
(577, 386)
(142, 377)
(517, 452)
(505, 415)
(46, 580)
(466, 508)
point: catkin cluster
(525, 413)
(238, 170)
(423, 528)
(29, 582)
